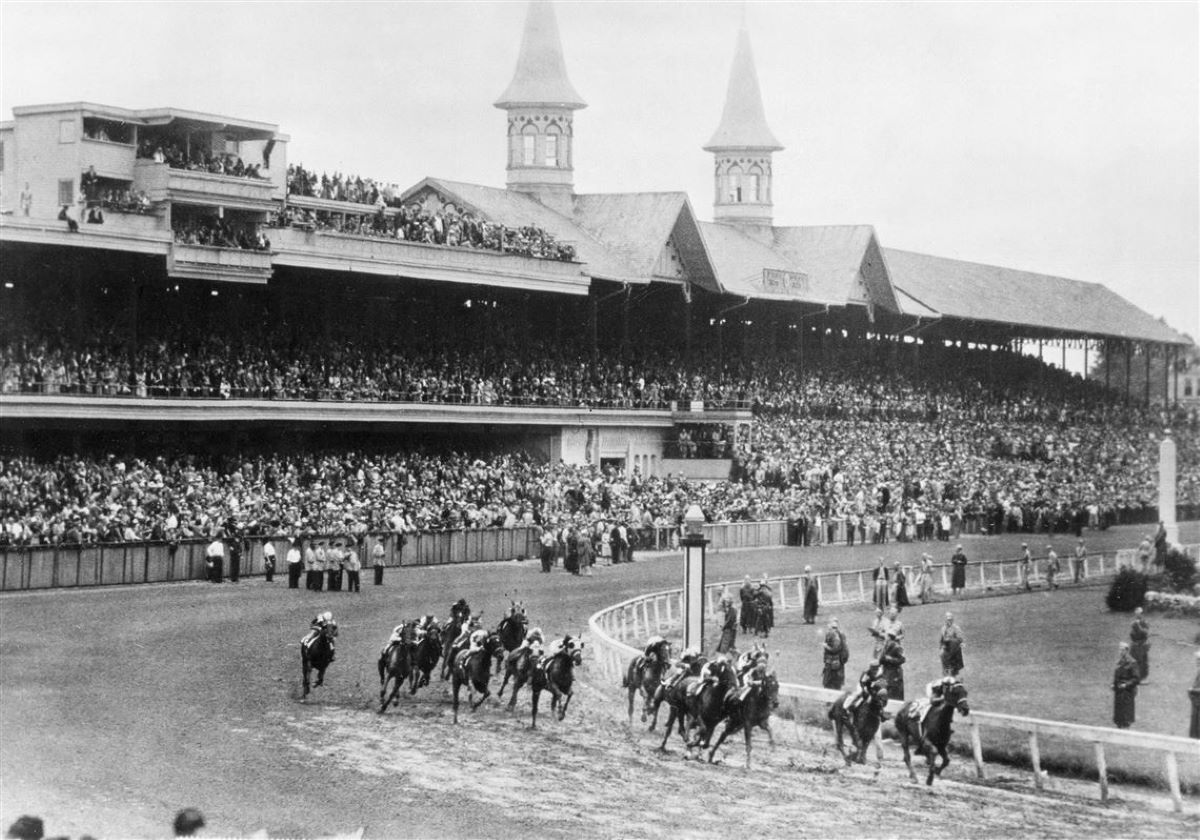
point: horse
(518, 667)
(511, 630)
(475, 670)
(317, 654)
(675, 696)
(706, 705)
(556, 675)
(425, 657)
(934, 734)
(862, 723)
(395, 666)
(748, 708)
(453, 629)
(644, 674)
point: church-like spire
(742, 148)
(540, 79)
(540, 102)
(743, 122)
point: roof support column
(1166, 354)
(625, 322)
(1064, 354)
(1107, 363)
(687, 329)
(592, 330)
(1175, 376)
(1146, 348)
(1128, 363)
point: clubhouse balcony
(205, 262)
(186, 186)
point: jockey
(532, 642)
(566, 643)
(322, 622)
(868, 678)
(748, 659)
(424, 625)
(396, 638)
(478, 637)
(469, 627)
(935, 691)
(712, 671)
(460, 609)
(681, 668)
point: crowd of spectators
(178, 157)
(219, 233)
(411, 221)
(125, 200)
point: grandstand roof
(977, 292)
(541, 75)
(743, 121)
(638, 225)
(515, 209)
(739, 259)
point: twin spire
(541, 101)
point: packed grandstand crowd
(412, 221)
(1023, 447)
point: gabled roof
(738, 262)
(977, 292)
(515, 209)
(634, 225)
(743, 121)
(541, 75)
(841, 255)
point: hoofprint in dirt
(590, 775)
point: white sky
(1054, 137)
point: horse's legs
(484, 694)
(632, 696)
(306, 667)
(457, 686)
(729, 726)
(537, 694)
(936, 769)
(749, 730)
(382, 678)
(912, 774)
(667, 732)
(562, 712)
(321, 675)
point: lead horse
(933, 735)
(474, 669)
(316, 655)
(511, 630)
(425, 657)
(644, 676)
(747, 709)
(862, 723)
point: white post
(782, 595)
(1036, 758)
(1103, 771)
(1173, 782)
(1166, 487)
(841, 597)
(976, 747)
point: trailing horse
(555, 674)
(474, 668)
(644, 675)
(933, 735)
(747, 708)
(316, 655)
(425, 657)
(675, 696)
(862, 723)
(460, 616)
(395, 666)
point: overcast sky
(1062, 138)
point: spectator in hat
(377, 555)
(295, 563)
(1124, 686)
(1139, 644)
(958, 570)
(1023, 565)
(353, 569)
(808, 586)
(1194, 696)
(1052, 568)
(891, 659)
(951, 645)
(269, 560)
(835, 654)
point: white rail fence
(619, 632)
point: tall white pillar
(1166, 487)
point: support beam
(1146, 348)
(1128, 363)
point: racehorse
(453, 629)
(862, 723)
(425, 657)
(317, 654)
(518, 666)
(475, 670)
(934, 734)
(675, 696)
(395, 666)
(644, 675)
(748, 708)
(556, 675)
(706, 705)
(511, 630)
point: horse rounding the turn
(556, 674)
(644, 676)
(425, 657)
(747, 708)
(933, 735)
(862, 723)
(395, 666)
(518, 667)
(316, 654)
(511, 630)
(474, 668)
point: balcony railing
(204, 262)
(163, 183)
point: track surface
(118, 707)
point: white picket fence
(619, 632)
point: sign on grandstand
(778, 281)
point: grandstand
(185, 306)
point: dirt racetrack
(120, 706)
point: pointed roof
(743, 122)
(541, 75)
